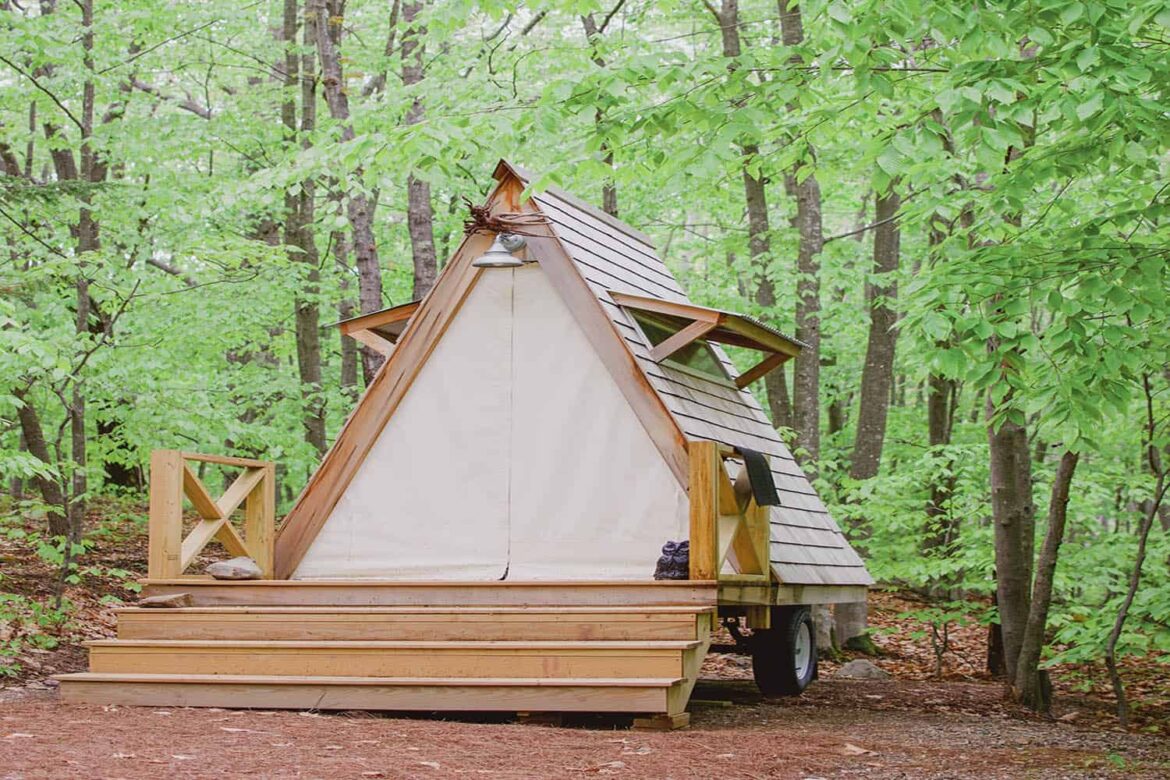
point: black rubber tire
(774, 653)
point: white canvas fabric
(430, 501)
(513, 455)
(591, 496)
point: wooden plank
(382, 396)
(260, 521)
(763, 335)
(378, 318)
(705, 470)
(372, 694)
(198, 496)
(679, 720)
(687, 311)
(225, 460)
(203, 532)
(696, 330)
(744, 593)
(372, 340)
(209, 592)
(166, 514)
(759, 370)
(229, 537)
(239, 490)
(404, 625)
(391, 659)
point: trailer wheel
(784, 657)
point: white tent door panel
(513, 455)
(430, 501)
(591, 497)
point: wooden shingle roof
(807, 547)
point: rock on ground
(235, 569)
(861, 669)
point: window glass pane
(697, 355)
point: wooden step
(632, 695)
(412, 623)
(393, 659)
(205, 591)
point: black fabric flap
(760, 477)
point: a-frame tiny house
(484, 531)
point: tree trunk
(759, 231)
(878, 374)
(87, 241)
(941, 528)
(608, 190)
(1014, 515)
(806, 380)
(779, 405)
(360, 210)
(38, 447)
(1161, 484)
(420, 217)
(298, 225)
(345, 310)
(1032, 688)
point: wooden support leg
(166, 514)
(663, 722)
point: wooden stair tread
(479, 646)
(538, 682)
(536, 609)
(203, 579)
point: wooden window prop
(171, 479)
(682, 333)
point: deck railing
(171, 479)
(725, 529)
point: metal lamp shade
(497, 256)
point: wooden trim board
(358, 593)
(347, 693)
(731, 593)
(392, 659)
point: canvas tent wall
(513, 455)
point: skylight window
(697, 356)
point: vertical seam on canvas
(511, 422)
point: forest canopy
(961, 208)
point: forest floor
(919, 724)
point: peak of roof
(505, 168)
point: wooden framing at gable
(380, 330)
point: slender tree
(420, 216)
(330, 21)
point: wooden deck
(632, 647)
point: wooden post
(260, 521)
(166, 514)
(705, 465)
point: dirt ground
(838, 729)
